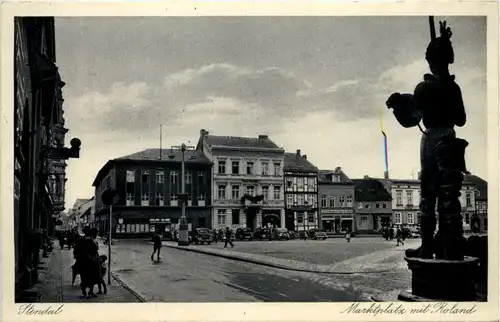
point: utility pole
(183, 225)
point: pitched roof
(481, 186)
(324, 176)
(295, 162)
(172, 155)
(370, 190)
(261, 142)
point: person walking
(228, 238)
(399, 236)
(156, 247)
(348, 235)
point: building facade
(148, 184)
(301, 193)
(336, 201)
(480, 218)
(372, 205)
(37, 115)
(247, 175)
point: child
(102, 264)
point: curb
(128, 288)
(274, 265)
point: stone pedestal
(441, 280)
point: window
(174, 200)
(411, 219)
(367, 205)
(160, 201)
(221, 191)
(397, 219)
(130, 175)
(145, 199)
(310, 217)
(364, 220)
(399, 197)
(265, 168)
(235, 214)
(235, 192)
(377, 205)
(265, 192)
(221, 166)
(249, 167)
(312, 200)
(289, 183)
(235, 167)
(360, 205)
(145, 176)
(335, 178)
(289, 200)
(250, 190)
(221, 216)
(300, 183)
(468, 198)
(300, 200)
(160, 177)
(189, 178)
(277, 169)
(201, 197)
(331, 202)
(409, 197)
(384, 205)
(130, 199)
(300, 218)
(174, 177)
(311, 184)
(201, 178)
(277, 193)
(342, 201)
(323, 201)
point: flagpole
(160, 141)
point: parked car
(303, 235)
(244, 233)
(317, 234)
(176, 236)
(293, 234)
(202, 235)
(280, 234)
(262, 233)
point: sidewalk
(55, 283)
(377, 262)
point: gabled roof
(325, 176)
(368, 190)
(172, 155)
(262, 142)
(481, 186)
(295, 162)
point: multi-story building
(480, 218)
(148, 184)
(372, 205)
(336, 201)
(406, 196)
(79, 213)
(37, 115)
(245, 168)
(301, 193)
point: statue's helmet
(440, 50)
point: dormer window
(335, 178)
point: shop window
(235, 216)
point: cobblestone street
(187, 276)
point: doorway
(271, 218)
(251, 215)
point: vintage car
(262, 233)
(202, 236)
(244, 233)
(280, 234)
(317, 234)
(293, 234)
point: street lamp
(183, 225)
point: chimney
(305, 156)
(202, 132)
(366, 177)
(298, 153)
(386, 174)
(263, 137)
(419, 175)
(337, 169)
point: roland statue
(437, 102)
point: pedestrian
(94, 265)
(348, 235)
(156, 247)
(214, 233)
(103, 269)
(228, 238)
(399, 236)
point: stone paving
(55, 283)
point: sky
(311, 83)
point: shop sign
(120, 220)
(337, 211)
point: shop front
(337, 220)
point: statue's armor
(438, 103)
